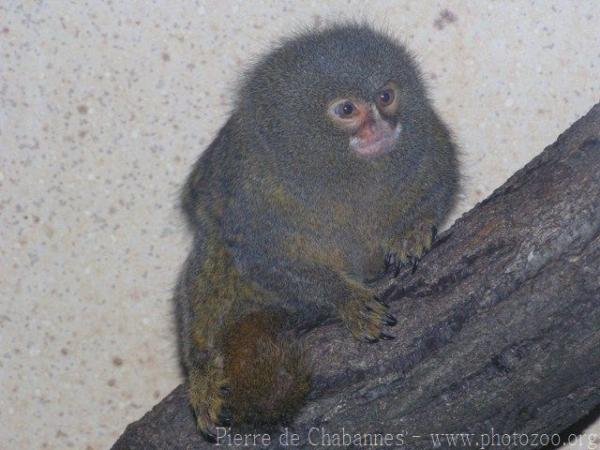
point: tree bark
(498, 330)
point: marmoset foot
(366, 318)
(408, 248)
(208, 391)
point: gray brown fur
(289, 224)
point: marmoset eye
(386, 97)
(345, 109)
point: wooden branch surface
(499, 328)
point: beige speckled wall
(105, 104)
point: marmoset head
(345, 93)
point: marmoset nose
(369, 130)
(373, 127)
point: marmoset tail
(332, 167)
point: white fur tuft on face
(383, 141)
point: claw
(371, 309)
(208, 429)
(225, 390)
(390, 260)
(209, 436)
(375, 306)
(387, 337)
(381, 302)
(392, 265)
(225, 418)
(415, 265)
(370, 339)
(390, 320)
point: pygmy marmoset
(332, 166)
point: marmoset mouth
(380, 144)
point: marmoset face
(371, 123)
(349, 95)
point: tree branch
(499, 328)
